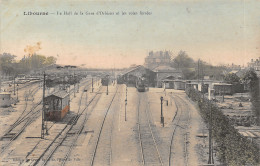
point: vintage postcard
(130, 83)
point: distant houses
(255, 64)
(158, 72)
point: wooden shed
(57, 105)
(5, 99)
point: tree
(182, 60)
(252, 81)
(231, 78)
(250, 78)
(50, 60)
(184, 63)
(6, 63)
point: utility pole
(14, 85)
(125, 101)
(74, 84)
(162, 118)
(17, 92)
(43, 107)
(198, 71)
(202, 80)
(222, 93)
(92, 84)
(107, 84)
(210, 161)
(78, 88)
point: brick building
(164, 72)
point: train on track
(105, 80)
(141, 85)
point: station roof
(5, 93)
(59, 94)
(222, 84)
(165, 69)
(131, 69)
(170, 80)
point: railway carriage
(105, 81)
(57, 105)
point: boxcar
(5, 99)
(105, 81)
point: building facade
(255, 64)
(164, 72)
(158, 58)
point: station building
(5, 99)
(131, 75)
(166, 72)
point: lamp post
(125, 100)
(210, 160)
(162, 118)
(125, 108)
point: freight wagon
(57, 105)
(5, 99)
(105, 81)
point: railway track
(107, 142)
(180, 120)
(69, 133)
(70, 141)
(25, 119)
(23, 115)
(149, 148)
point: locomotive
(141, 85)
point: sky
(216, 31)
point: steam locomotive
(141, 85)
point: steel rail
(96, 145)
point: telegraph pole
(125, 100)
(92, 84)
(198, 71)
(107, 85)
(202, 80)
(210, 161)
(17, 92)
(43, 107)
(14, 85)
(74, 84)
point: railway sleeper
(8, 135)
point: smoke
(30, 50)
